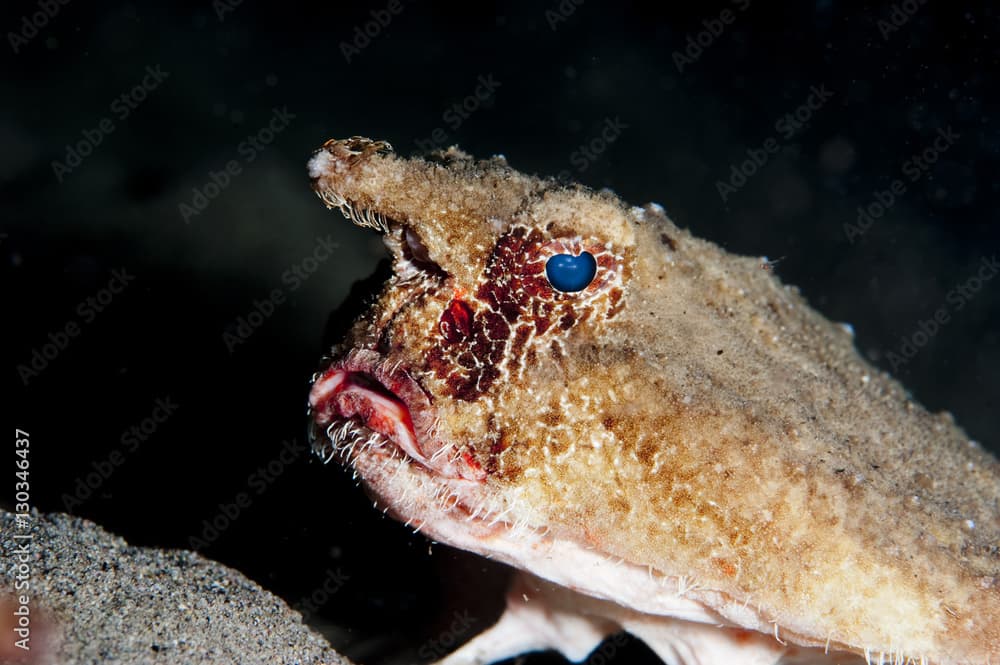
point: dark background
(163, 337)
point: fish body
(682, 447)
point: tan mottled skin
(715, 428)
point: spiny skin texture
(686, 413)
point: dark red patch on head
(568, 318)
(456, 322)
(514, 306)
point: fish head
(499, 300)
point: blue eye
(571, 273)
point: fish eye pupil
(570, 273)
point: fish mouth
(362, 397)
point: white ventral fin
(541, 616)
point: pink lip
(387, 400)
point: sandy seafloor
(95, 599)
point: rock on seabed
(93, 598)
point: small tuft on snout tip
(319, 164)
(330, 172)
(337, 155)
